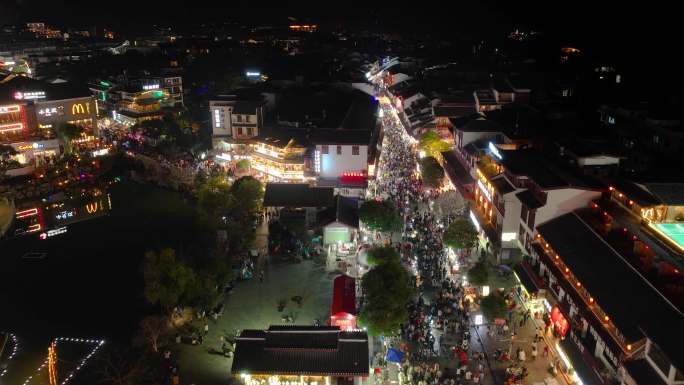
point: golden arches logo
(79, 109)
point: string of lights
(15, 349)
(97, 345)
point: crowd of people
(441, 308)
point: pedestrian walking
(261, 276)
(534, 352)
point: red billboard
(559, 322)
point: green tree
(460, 234)
(431, 172)
(152, 328)
(242, 166)
(478, 275)
(382, 254)
(433, 145)
(166, 278)
(387, 289)
(67, 132)
(493, 306)
(380, 215)
(248, 192)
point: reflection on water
(51, 215)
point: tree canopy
(382, 254)
(460, 234)
(478, 274)
(166, 278)
(433, 145)
(493, 306)
(431, 172)
(68, 132)
(242, 166)
(380, 215)
(232, 207)
(387, 289)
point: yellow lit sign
(79, 109)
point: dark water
(90, 284)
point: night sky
(614, 27)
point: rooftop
(591, 259)
(544, 172)
(297, 195)
(308, 350)
(57, 91)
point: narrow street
(442, 324)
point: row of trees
(380, 215)
(387, 289)
(431, 172)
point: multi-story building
(600, 338)
(131, 101)
(292, 151)
(31, 112)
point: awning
(586, 373)
(530, 284)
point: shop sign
(8, 109)
(559, 322)
(80, 108)
(49, 111)
(33, 146)
(29, 95)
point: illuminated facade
(31, 111)
(571, 260)
(301, 355)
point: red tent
(343, 310)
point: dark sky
(647, 27)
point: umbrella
(394, 355)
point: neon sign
(8, 109)
(48, 111)
(149, 87)
(78, 109)
(11, 127)
(27, 213)
(495, 150)
(18, 95)
(484, 190)
(30, 146)
(474, 220)
(253, 74)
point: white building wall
(511, 222)
(563, 201)
(220, 119)
(333, 165)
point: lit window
(355, 150)
(339, 150)
(324, 149)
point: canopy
(394, 355)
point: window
(339, 150)
(523, 213)
(249, 131)
(355, 150)
(247, 118)
(239, 130)
(239, 118)
(530, 219)
(324, 149)
(656, 139)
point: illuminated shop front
(301, 355)
(36, 153)
(13, 124)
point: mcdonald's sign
(80, 108)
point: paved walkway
(254, 305)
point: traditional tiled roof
(308, 350)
